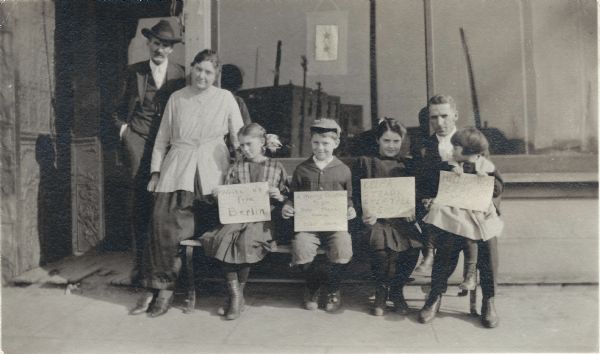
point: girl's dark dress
(246, 242)
(394, 234)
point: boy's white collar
(322, 164)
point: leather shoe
(334, 302)
(380, 300)
(430, 309)
(489, 318)
(311, 298)
(470, 281)
(143, 304)
(161, 306)
(397, 297)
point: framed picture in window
(327, 36)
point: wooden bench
(190, 245)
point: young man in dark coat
(136, 117)
(437, 150)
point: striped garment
(273, 173)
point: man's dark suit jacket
(133, 90)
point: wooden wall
(33, 197)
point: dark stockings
(239, 272)
(393, 268)
(329, 274)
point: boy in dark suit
(322, 172)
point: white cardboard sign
(466, 191)
(321, 211)
(239, 203)
(388, 197)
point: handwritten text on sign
(465, 191)
(321, 211)
(388, 197)
(239, 203)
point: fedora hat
(163, 31)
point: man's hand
(153, 182)
(287, 211)
(411, 218)
(351, 213)
(122, 131)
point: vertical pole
(198, 34)
(256, 66)
(373, 62)
(429, 64)
(214, 25)
(277, 64)
(529, 82)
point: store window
(533, 63)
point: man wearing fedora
(137, 114)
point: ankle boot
(311, 297)
(162, 304)
(242, 298)
(380, 300)
(143, 304)
(489, 318)
(470, 281)
(233, 312)
(397, 297)
(334, 302)
(221, 311)
(430, 309)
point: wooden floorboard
(115, 266)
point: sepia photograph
(299, 176)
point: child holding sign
(322, 172)
(237, 246)
(472, 226)
(394, 243)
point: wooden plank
(70, 270)
(276, 248)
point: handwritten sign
(388, 197)
(321, 211)
(239, 203)
(465, 191)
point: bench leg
(189, 265)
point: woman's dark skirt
(176, 216)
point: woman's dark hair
(231, 77)
(389, 124)
(207, 55)
(471, 140)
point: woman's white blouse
(190, 139)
